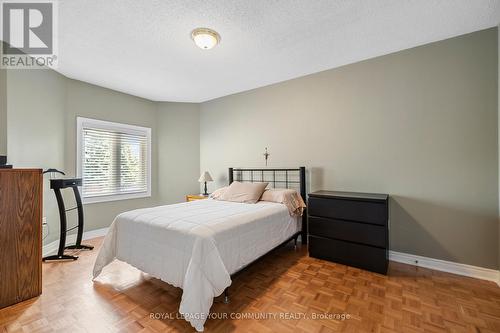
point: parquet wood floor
(286, 282)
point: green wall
(35, 129)
(179, 150)
(420, 124)
(42, 110)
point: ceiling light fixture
(205, 38)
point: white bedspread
(196, 245)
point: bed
(199, 245)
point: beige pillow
(243, 192)
(216, 195)
(290, 198)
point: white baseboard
(447, 266)
(71, 239)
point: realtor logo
(28, 33)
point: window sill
(116, 197)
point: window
(114, 160)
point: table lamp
(204, 178)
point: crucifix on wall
(266, 155)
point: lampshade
(205, 177)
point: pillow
(218, 193)
(243, 192)
(290, 198)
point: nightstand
(193, 197)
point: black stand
(57, 185)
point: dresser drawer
(363, 211)
(352, 254)
(369, 234)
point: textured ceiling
(144, 48)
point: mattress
(196, 245)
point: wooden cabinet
(350, 228)
(20, 235)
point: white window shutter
(114, 161)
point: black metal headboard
(277, 178)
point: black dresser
(349, 228)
